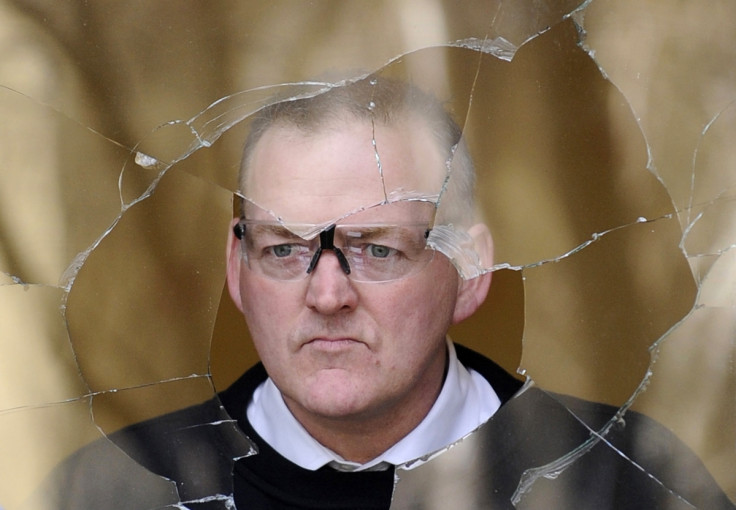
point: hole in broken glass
(611, 236)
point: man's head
(341, 346)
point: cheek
(437, 288)
(422, 308)
(262, 303)
(267, 320)
(248, 291)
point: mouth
(332, 344)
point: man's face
(336, 348)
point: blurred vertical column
(42, 397)
(676, 68)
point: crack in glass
(601, 137)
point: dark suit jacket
(539, 451)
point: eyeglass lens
(365, 252)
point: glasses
(365, 253)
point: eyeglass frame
(326, 242)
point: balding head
(379, 103)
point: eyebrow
(400, 232)
(273, 229)
(361, 232)
(350, 230)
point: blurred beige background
(620, 134)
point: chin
(338, 404)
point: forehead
(325, 174)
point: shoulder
(557, 451)
(184, 455)
(603, 457)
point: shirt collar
(465, 402)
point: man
(356, 249)
(356, 347)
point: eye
(282, 250)
(379, 251)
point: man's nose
(329, 289)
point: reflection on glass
(601, 136)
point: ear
(471, 293)
(234, 259)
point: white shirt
(465, 402)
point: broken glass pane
(600, 133)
